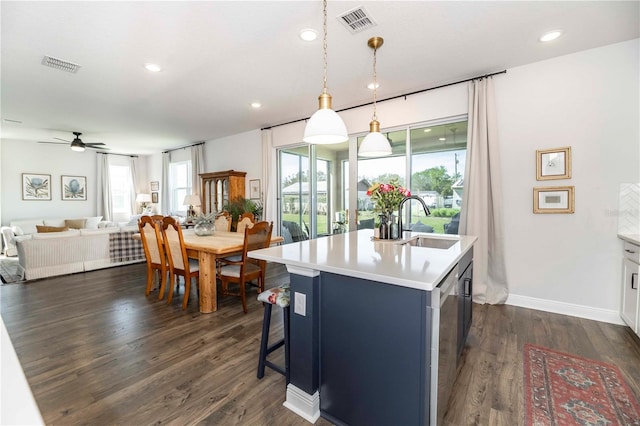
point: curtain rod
(113, 153)
(183, 147)
(394, 97)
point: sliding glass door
(321, 194)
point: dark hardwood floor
(96, 351)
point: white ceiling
(219, 56)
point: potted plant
(240, 205)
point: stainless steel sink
(431, 242)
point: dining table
(208, 248)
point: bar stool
(274, 296)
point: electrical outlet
(300, 304)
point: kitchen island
(372, 328)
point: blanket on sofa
(123, 248)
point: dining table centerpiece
(204, 224)
(386, 198)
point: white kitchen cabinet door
(631, 295)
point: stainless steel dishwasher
(444, 346)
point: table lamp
(192, 201)
(144, 200)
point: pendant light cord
(324, 46)
(375, 83)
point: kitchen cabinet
(374, 326)
(375, 352)
(630, 309)
(465, 298)
(218, 188)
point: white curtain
(133, 191)
(164, 189)
(197, 167)
(103, 196)
(269, 197)
(481, 213)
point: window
(179, 184)
(121, 187)
(428, 158)
(438, 154)
(435, 173)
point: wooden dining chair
(223, 222)
(179, 263)
(246, 269)
(153, 245)
(245, 220)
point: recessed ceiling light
(153, 67)
(308, 34)
(426, 130)
(551, 35)
(256, 105)
(372, 86)
(442, 139)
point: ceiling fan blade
(64, 140)
(55, 143)
(102, 148)
(92, 144)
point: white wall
(56, 160)
(241, 152)
(588, 101)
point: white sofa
(18, 228)
(42, 255)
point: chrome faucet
(413, 197)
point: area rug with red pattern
(564, 389)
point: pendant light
(375, 144)
(325, 126)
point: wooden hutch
(220, 187)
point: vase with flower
(386, 198)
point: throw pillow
(45, 228)
(75, 223)
(17, 231)
(92, 222)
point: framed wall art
(36, 186)
(74, 188)
(554, 199)
(155, 185)
(553, 163)
(254, 189)
(154, 197)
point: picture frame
(554, 199)
(254, 189)
(155, 185)
(36, 186)
(74, 188)
(553, 163)
(154, 197)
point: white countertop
(635, 239)
(355, 254)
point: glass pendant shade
(325, 125)
(375, 144)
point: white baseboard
(580, 311)
(305, 405)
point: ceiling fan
(78, 145)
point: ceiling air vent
(59, 64)
(357, 20)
